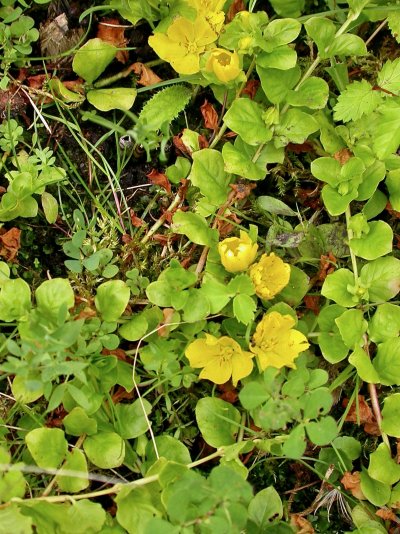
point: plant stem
(174, 204)
(104, 82)
(350, 236)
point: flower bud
(237, 253)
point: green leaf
(135, 328)
(316, 402)
(164, 107)
(389, 76)
(92, 59)
(245, 118)
(12, 520)
(393, 21)
(105, 449)
(282, 31)
(27, 389)
(77, 423)
(376, 492)
(390, 416)
(386, 138)
(282, 57)
(209, 176)
(322, 32)
(347, 44)
(136, 507)
(295, 444)
(296, 288)
(112, 98)
(376, 243)
(168, 447)
(371, 177)
(387, 362)
(330, 341)
(295, 127)
(362, 362)
(170, 284)
(323, 431)
(53, 295)
(276, 83)
(275, 206)
(336, 286)
(313, 94)
(335, 203)
(217, 421)
(47, 446)
(244, 308)
(382, 467)
(357, 100)
(238, 159)
(195, 227)
(265, 508)
(15, 299)
(111, 299)
(252, 395)
(50, 207)
(288, 8)
(352, 326)
(75, 461)
(217, 294)
(385, 323)
(382, 278)
(393, 184)
(131, 420)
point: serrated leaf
(389, 76)
(357, 100)
(164, 107)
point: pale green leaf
(357, 100)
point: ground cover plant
(199, 278)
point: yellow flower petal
(269, 276)
(221, 359)
(276, 343)
(224, 64)
(237, 253)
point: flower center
(224, 59)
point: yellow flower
(183, 43)
(269, 276)
(237, 253)
(224, 64)
(212, 11)
(276, 343)
(221, 359)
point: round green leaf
(382, 278)
(92, 59)
(385, 323)
(169, 448)
(115, 98)
(365, 370)
(111, 299)
(336, 288)
(75, 461)
(390, 415)
(135, 328)
(105, 449)
(376, 492)
(382, 467)
(47, 446)
(50, 207)
(15, 299)
(217, 420)
(131, 421)
(54, 294)
(352, 327)
(323, 431)
(376, 243)
(265, 507)
(77, 422)
(387, 362)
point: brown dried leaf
(312, 303)
(10, 243)
(203, 143)
(342, 156)
(365, 414)
(168, 314)
(137, 222)
(210, 116)
(387, 515)
(242, 190)
(147, 76)
(372, 429)
(301, 525)
(352, 482)
(158, 178)
(235, 7)
(251, 88)
(225, 227)
(111, 31)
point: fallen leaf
(387, 515)
(86, 313)
(235, 7)
(300, 148)
(372, 429)
(352, 482)
(229, 392)
(158, 178)
(36, 82)
(210, 116)
(343, 155)
(225, 227)
(312, 303)
(392, 212)
(111, 31)
(10, 243)
(147, 76)
(365, 414)
(242, 190)
(162, 329)
(326, 266)
(203, 143)
(137, 222)
(301, 525)
(251, 88)
(119, 353)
